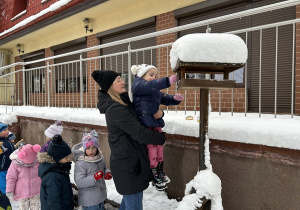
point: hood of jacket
(78, 154)
(106, 101)
(43, 157)
(47, 164)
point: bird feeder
(207, 53)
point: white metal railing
(76, 99)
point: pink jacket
(22, 179)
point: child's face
(4, 133)
(152, 74)
(66, 159)
(48, 139)
(91, 151)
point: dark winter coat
(7, 148)
(147, 99)
(127, 138)
(85, 168)
(4, 201)
(56, 190)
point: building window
(38, 83)
(19, 6)
(70, 85)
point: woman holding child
(127, 138)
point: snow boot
(156, 181)
(161, 174)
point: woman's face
(119, 85)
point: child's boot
(159, 183)
(160, 167)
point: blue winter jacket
(56, 190)
(7, 147)
(147, 98)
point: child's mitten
(173, 79)
(178, 97)
(108, 176)
(10, 195)
(98, 175)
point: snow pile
(207, 184)
(209, 48)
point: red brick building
(60, 25)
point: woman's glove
(108, 176)
(173, 79)
(98, 175)
(10, 195)
(178, 97)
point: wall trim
(131, 26)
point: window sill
(18, 15)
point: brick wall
(33, 7)
(92, 65)
(18, 82)
(297, 64)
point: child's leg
(152, 155)
(160, 153)
(24, 204)
(35, 203)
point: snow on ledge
(282, 132)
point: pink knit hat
(55, 129)
(90, 139)
(28, 153)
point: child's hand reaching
(173, 79)
(98, 175)
(108, 176)
(178, 97)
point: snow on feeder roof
(210, 51)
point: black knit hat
(105, 78)
(58, 148)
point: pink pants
(155, 152)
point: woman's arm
(121, 117)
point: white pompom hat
(141, 70)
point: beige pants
(32, 203)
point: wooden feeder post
(203, 126)
(204, 85)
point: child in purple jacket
(23, 182)
(55, 129)
(147, 99)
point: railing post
(129, 71)
(24, 93)
(81, 82)
(5, 95)
(48, 83)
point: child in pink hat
(55, 129)
(23, 182)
